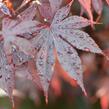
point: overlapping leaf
(70, 61)
(64, 34)
(87, 6)
(7, 79)
(12, 28)
(45, 10)
(45, 61)
(55, 5)
(98, 6)
(48, 8)
(19, 57)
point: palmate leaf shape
(24, 24)
(10, 29)
(9, 33)
(63, 35)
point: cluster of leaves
(32, 46)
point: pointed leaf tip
(46, 97)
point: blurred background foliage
(63, 95)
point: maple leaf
(9, 33)
(97, 5)
(7, 80)
(24, 24)
(48, 8)
(86, 7)
(10, 29)
(63, 35)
